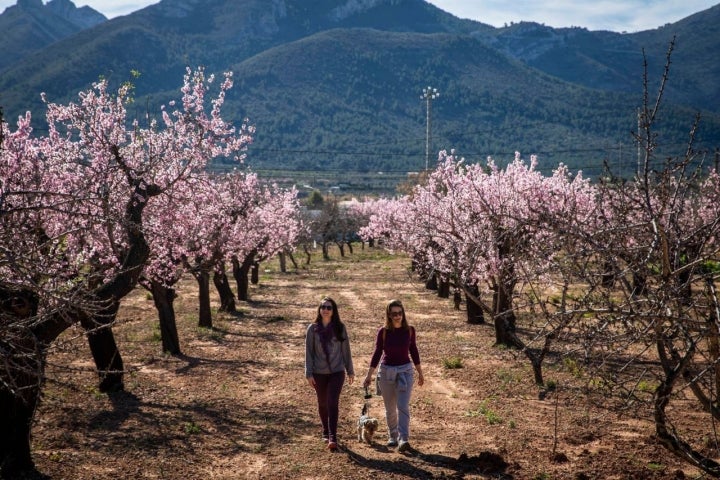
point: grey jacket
(315, 360)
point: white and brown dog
(367, 426)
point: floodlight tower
(429, 94)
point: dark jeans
(328, 388)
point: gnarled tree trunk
(240, 273)
(21, 379)
(104, 349)
(667, 435)
(164, 298)
(475, 313)
(443, 290)
(255, 273)
(222, 285)
(504, 287)
(202, 276)
(431, 282)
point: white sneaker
(404, 446)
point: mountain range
(336, 85)
(31, 25)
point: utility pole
(639, 156)
(429, 94)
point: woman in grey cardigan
(327, 359)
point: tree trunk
(341, 247)
(255, 273)
(104, 349)
(308, 255)
(443, 289)
(713, 331)
(504, 329)
(240, 272)
(504, 316)
(475, 315)
(457, 299)
(639, 285)
(667, 435)
(371, 242)
(350, 248)
(21, 379)
(504, 287)
(325, 253)
(227, 297)
(164, 297)
(100, 336)
(205, 314)
(685, 286)
(431, 283)
(608, 276)
(283, 263)
(292, 259)
(15, 422)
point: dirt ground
(236, 404)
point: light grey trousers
(395, 384)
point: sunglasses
(326, 307)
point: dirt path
(236, 404)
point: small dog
(367, 426)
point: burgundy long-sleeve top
(396, 348)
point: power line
(602, 148)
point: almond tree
(361, 212)
(662, 227)
(225, 218)
(271, 225)
(645, 270)
(73, 243)
(171, 227)
(481, 227)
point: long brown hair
(337, 325)
(388, 318)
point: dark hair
(334, 319)
(388, 318)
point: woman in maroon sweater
(395, 347)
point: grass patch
(484, 411)
(451, 363)
(96, 393)
(507, 376)
(646, 386)
(211, 334)
(573, 367)
(191, 428)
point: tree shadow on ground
(175, 424)
(485, 463)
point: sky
(613, 15)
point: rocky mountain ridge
(336, 84)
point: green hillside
(335, 86)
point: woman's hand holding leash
(368, 378)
